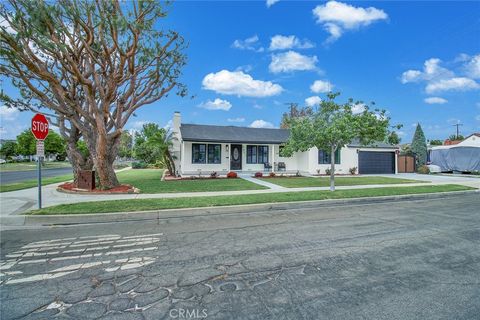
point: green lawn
(33, 183)
(192, 202)
(148, 181)
(300, 182)
(27, 166)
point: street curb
(52, 220)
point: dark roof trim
(232, 141)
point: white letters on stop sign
(37, 125)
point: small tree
(294, 112)
(419, 145)
(26, 143)
(332, 126)
(454, 137)
(8, 149)
(152, 145)
(126, 145)
(393, 138)
(436, 142)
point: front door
(236, 157)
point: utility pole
(457, 125)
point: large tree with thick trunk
(93, 64)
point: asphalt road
(19, 176)
(397, 260)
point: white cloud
(217, 104)
(8, 114)
(452, 84)
(472, 67)
(261, 124)
(336, 17)
(358, 108)
(313, 101)
(138, 125)
(239, 119)
(279, 42)
(431, 70)
(321, 86)
(240, 84)
(411, 76)
(477, 118)
(270, 3)
(248, 44)
(291, 61)
(440, 79)
(435, 100)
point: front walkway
(18, 202)
(248, 177)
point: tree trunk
(332, 168)
(78, 161)
(171, 166)
(75, 156)
(105, 150)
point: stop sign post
(40, 132)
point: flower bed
(69, 187)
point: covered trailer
(462, 157)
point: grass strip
(33, 183)
(196, 202)
(300, 182)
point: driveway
(397, 260)
(19, 176)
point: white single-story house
(202, 149)
(461, 157)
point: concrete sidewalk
(18, 202)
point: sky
(248, 60)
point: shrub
(258, 174)
(328, 171)
(231, 175)
(423, 170)
(318, 171)
(139, 165)
(297, 174)
(214, 175)
(353, 170)
(272, 174)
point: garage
(372, 162)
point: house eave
(233, 141)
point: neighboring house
(207, 148)
(463, 156)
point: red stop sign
(40, 126)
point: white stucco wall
(301, 161)
(189, 167)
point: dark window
(251, 154)
(214, 153)
(324, 157)
(262, 154)
(198, 153)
